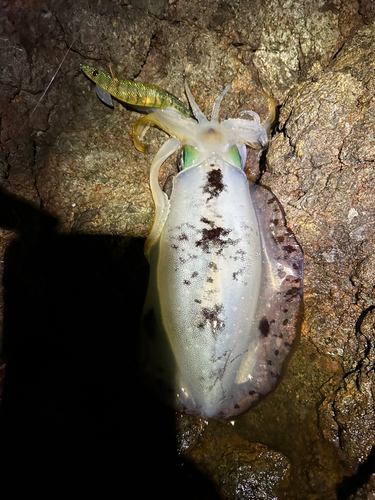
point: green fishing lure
(133, 93)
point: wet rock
(366, 492)
(349, 408)
(239, 469)
(319, 164)
(74, 158)
(189, 431)
(252, 471)
(299, 39)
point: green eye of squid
(233, 157)
(189, 157)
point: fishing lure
(133, 93)
(225, 287)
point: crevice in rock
(362, 317)
(337, 52)
(153, 37)
(366, 352)
(262, 164)
(283, 131)
(359, 332)
(350, 484)
(76, 51)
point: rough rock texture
(366, 492)
(238, 468)
(75, 207)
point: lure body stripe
(136, 94)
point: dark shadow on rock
(75, 414)
(350, 485)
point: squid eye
(233, 157)
(189, 157)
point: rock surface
(75, 206)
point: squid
(224, 299)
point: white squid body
(224, 292)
